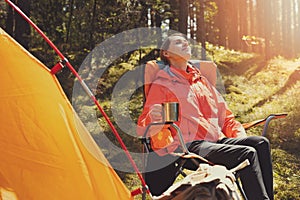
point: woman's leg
(160, 172)
(262, 147)
(230, 156)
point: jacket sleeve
(231, 127)
(156, 95)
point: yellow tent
(45, 150)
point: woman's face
(179, 47)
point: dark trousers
(160, 172)
(257, 179)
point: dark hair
(165, 46)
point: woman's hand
(155, 113)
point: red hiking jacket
(203, 113)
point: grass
(274, 88)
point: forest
(255, 44)
(269, 27)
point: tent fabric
(45, 150)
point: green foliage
(286, 175)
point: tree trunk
(183, 16)
(92, 29)
(173, 10)
(69, 22)
(286, 29)
(277, 38)
(297, 31)
(221, 23)
(243, 24)
(201, 28)
(233, 41)
(16, 26)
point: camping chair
(185, 160)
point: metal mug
(170, 112)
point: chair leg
(144, 194)
(179, 170)
(144, 161)
(241, 189)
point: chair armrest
(264, 121)
(181, 140)
(146, 144)
(146, 140)
(242, 165)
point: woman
(208, 126)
